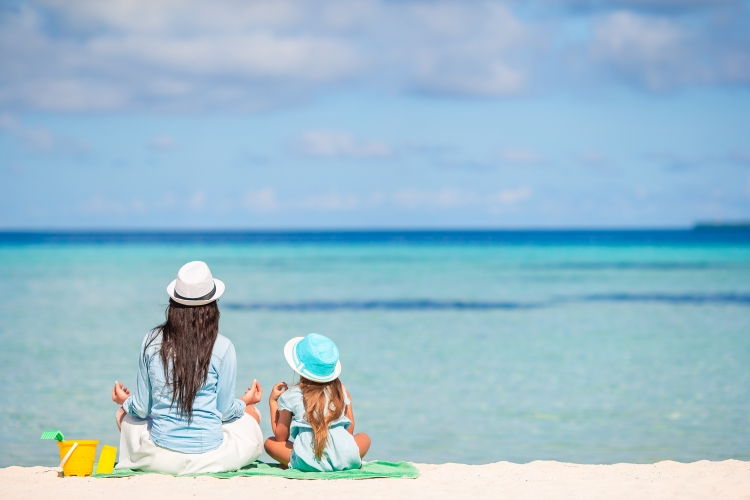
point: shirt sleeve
(229, 406)
(139, 403)
(283, 403)
(291, 400)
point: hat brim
(219, 291)
(289, 355)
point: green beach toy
(56, 435)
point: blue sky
(292, 114)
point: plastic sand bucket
(81, 461)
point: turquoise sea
(589, 347)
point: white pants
(243, 444)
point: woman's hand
(253, 394)
(120, 393)
(277, 391)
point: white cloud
(327, 202)
(41, 140)
(263, 200)
(102, 205)
(330, 144)
(266, 200)
(650, 47)
(78, 55)
(167, 202)
(126, 54)
(740, 157)
(520, 156)
(162, 142)
(510, 196)
(197, 200)
(444, 198)
(449, 198)
(9, 122)
(184, 58)
(660, 52)
(172, 16)
(466, 51)
(593, 158)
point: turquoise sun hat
(314, 357)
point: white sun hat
(195, 286)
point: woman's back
(214, 402)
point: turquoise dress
(341, 453)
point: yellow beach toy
(107, 458)
(77, 457)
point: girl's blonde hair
(314, 397)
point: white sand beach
(535, 480)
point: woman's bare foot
(253, 412)
(119, 416)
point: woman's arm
(229, 406)
(139, 403)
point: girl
(183, 417)
(317, 413)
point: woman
(183, 417)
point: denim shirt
(214, 403)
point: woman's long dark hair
(187, 341)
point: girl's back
(341, 451)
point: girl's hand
(120, 393)
(254, 394)
(277, 391)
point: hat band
(205, 297)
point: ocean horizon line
(742, 299)
(699, 226)
(656, 236)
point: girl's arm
(277, 422)
(349, 412)
(282, 424)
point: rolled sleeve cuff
(236, 411)
(128, 407)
